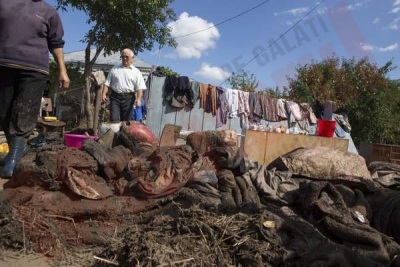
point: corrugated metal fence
(159, 114)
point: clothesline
(226, 103)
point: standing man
(124, 80)
(29, 29)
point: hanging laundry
(178, 91)
(208, 98)
(254, 120)
(244, 108)
(195, 88)
(311, 115)
(281, 110)
(294, 109)
(259, 109)
(298, 114)
(271, 109)
(266, 108)
(252, 105)
(223, 107)
(232, 96)
(343, 121)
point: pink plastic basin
(75, 140)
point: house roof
(111, 60)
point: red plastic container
(141, 132)
(75, 140)
(326, 128)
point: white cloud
(368, 47)
(171, 56)
(395, 9)
(213, 73)
(295, 11)
(391, 47)
(355, 5)
(289, 22)
(322, 11)
(193, 45)
(376, 20)
(395, 24)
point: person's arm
(104, 93)
(140, 85)
(63, 78)
(139, 95)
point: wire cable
(222, 22)
(275, 40)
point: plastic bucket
(326, 128)
(75, 140)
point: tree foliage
(169, 71)
(243, 81)
(118, 24)
(360, 88)
(337, 80)
(275, 92)
(75, 75)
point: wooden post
(97, 104)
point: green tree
(243, 81)
(118, 24)
(75, 75)
(360, 88)
(336, 80)
(374, 116)
(275, 92)
(169, 71)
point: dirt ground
(15, 259)
(11, 258)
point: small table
(52, 125)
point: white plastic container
(105, 126)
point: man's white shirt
(125, 79)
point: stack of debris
(135, 203)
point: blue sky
(268, 41)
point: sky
(265, 38)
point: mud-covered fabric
(385, 204)
(323, 205)
(387, 174)
(206, 141)
(272, 185)
(167, 170)
(227, 157)
(323, 163)
(75, 170)
(328, 255)
(113, 161)
(205, 182)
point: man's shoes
(18, 148)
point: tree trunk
(86, 105)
